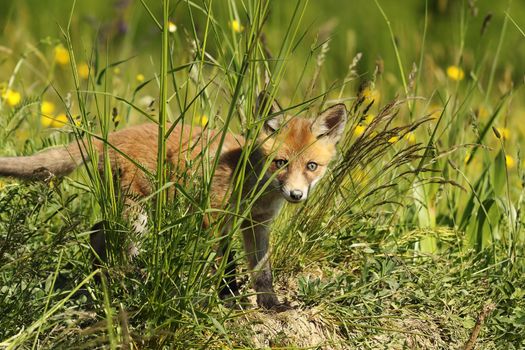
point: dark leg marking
(97, 240)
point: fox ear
(330, 123)
(268, 109)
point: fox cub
(291, 156)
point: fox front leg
(228, 286)
(256, 236)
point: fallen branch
(487, 309)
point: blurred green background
(124, 27)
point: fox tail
(58, 161)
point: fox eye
(312, 166)
(279, 163)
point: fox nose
(296, 195)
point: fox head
(299, 149)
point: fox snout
(295, 195)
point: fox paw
(269, 301)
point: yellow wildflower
(236, 26)
(54, 122)
(504, 132)
(510, 162)
(410, 137)
(83, 70)
(60, 120)
(393, 139)
(200, 120)
(370, 95)
(172, 28)
(47, 108)
(140, 77)
(11, 97)
(359, 130)
(61, 55)
(455, 73)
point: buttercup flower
(53, 121)
(236, 26)
(83, 70)
(47, 108)
(410, 137)
(359, 130)
(393, 139)
(60, 120)
(510, 162)
(369, 118)
(140, 77)
(11, 97)
(200, 120)
(61, 55)
(455, 73)
(370, 95)
(46, 121)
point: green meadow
(414, 239)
